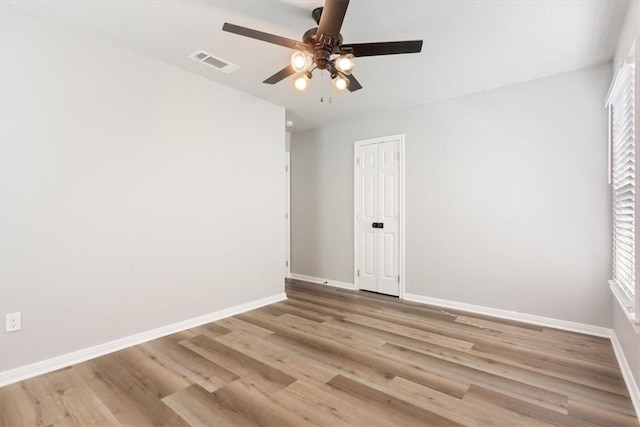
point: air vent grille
(214, 62)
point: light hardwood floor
(333, 357)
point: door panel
(369, 256)
(369, 189)
(388, 244)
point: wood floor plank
(530, 393)
(212, 330)
(200, 408)
(262, 375)
(590, 413)
(280, 358)
(319, 407)
(445, 325)
(156, 377)
(17, 407)
(245, 399)
(444, 321)
(59, 398)
(464, 411)
(237, 325)
(336, 357)
(126, 397)
(530, 413)
(601, 396)
(197, 369)
(571, 372)
(317, 308)
(346, 337)
(350, 361)
(384, 405)
(577, 370)
(287, 308)
(409, 332)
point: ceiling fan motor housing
(322, 49)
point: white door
(378, 216)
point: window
(622, 148)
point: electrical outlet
(13, 322)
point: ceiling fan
(321, 48)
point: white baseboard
(65, 360)
(627, 373)
(320, 280)
(513, 315)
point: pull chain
(330, 99)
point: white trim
(634, 59)
(626, 304)
(401, 250)
(65, 360)
(614, 86)
(609, 141)
(513, 315)
(288, 214)
(627, 373)
(356, 191)
(322, 281)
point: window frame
(627, 295)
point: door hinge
(358, 160)
(398, 279)
(286, 168)
(286, 215)
(358, 273)
(398, 154)
(286, 263)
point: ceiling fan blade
(331, 18)
(265, 37)
(280, 75)
(353, 83)
(384, 48)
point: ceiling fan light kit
(301, 82)
(340, 82)
(301, 61)
(346, 63)
(322, 48)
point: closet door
(378, 219)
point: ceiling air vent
(214, 62)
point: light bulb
(341, 83)
(346, 63)
(300, 61)
(301, 83)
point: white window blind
(623, 179)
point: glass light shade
(301, 83)
(300, 61)
(346, 63)
(341, 83)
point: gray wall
(134, 195)
(507, 202)
(629, 339)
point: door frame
(287, 217)
(356, 195)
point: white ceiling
(469, 46)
